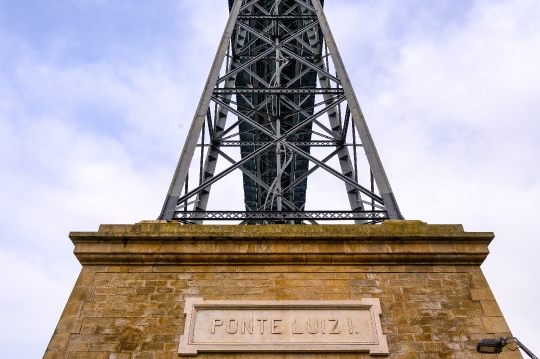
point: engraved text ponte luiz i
(283, 326)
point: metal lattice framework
(279, 75)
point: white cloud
(453, 112)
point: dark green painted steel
(264, 166)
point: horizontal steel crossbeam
(262, 143)
(277, 17)
(281, 91)
(247, 57)
(282, 215)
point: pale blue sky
(95, 98)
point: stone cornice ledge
(390, 243)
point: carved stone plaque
(282, 326)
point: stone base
(128, 301)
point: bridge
(278, 88)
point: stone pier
(129, 299)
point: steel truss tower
(278, 88)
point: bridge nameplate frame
(282, 326)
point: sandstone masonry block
(482, 293)
(58, 342)
(491, 308)
(55, 355)
(81, 294)
(495, 325)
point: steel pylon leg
(182, 168)
(383, 184)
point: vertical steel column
(355, 156)
(279, 170)
(186, 190)
(372, 181)
(372, 155)
(202, 156)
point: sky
(96, 98)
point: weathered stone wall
(128, 300)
